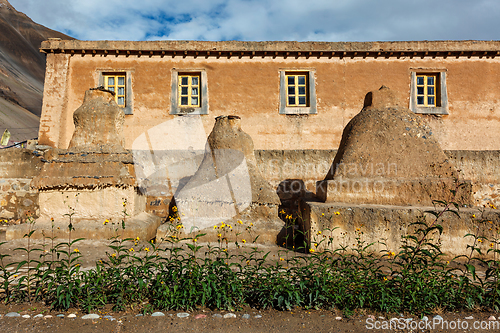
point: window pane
(111, 81)
(291, 100)
(121, 100)
(291, 90)
(302, 79)
(194, 80)
(420, 100)
(420, 90)
(430, 80)
(111, 88)
(121, 91)
(430, 100)
(121, 81)
(184, 101)
(184, 90)
(194, 91)
(430, 90)
(420, 80)
(302, 90)
(291, 80)
(302, 100)
(194, 101)
(184, 81)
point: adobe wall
(249, 87)
(296, 170)
(482, 168)
(17, 169)
(294, 173)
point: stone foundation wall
(17, 199)
(17, 168)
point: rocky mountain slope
(22, 69)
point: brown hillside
(22, 66)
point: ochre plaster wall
(249, 87)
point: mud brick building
(290, 95)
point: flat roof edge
(270, 46)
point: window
(428, 93)
(120, 83)
(297, 92)
(116, 83)
(189, 92)
(426, 89)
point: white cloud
(327, 20)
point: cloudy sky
(255, 20)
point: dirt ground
(271, 321)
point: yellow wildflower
(146, 249)
(479, 240)
(219, 235)
(358, 229)
(240, 222)
(322, 214)
(131, 249)
(281, 259)
(174, 209)
(251, 224)
(473, 216)
(491, 245)
(282, 211)
(315, 244)
(243, 241)
(215, 227)
(319, 232)
(15, 275)
(105, 222)
(114, 255)
(76, 250)
(385, 279)
(195, 240)
(311, 250)
(337, 213)
(179, 226)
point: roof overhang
(285, 49)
